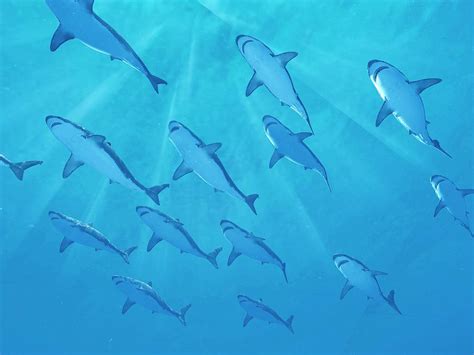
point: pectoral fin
(466, 192)
(378, 273)
(97, 138)
(284, 58)
(181, 171)
(153, 241)
(247, 319)
(64, 244)
(126, 306)
(71, 165)
(275, 158)
(212, 148)
(422, 85)
(383, 113)
(253, 84)
(303, 135)
(347, 287)
(59, 37)
(233, 255)
(438, 209)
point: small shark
(256, 309)
(78, 20)
(453, 199)
(202, 159)
(402, 99)
(291, 146)
(95, 151)
(270, 70)
(143, 294)
(248, 244)
(18, 168)
(79, 232)
(360, 276)
(166, 228)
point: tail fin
(283, 268)
(438, 146)
(325, 176)
(250, 201)
(127, 253)
(154, 191)
(391, 301)
(183, 314)
(213, 256)
(289, 324)
(19, 168)
(155, 81)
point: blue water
(380, 210)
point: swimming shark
(270, 70)
(202, 159)
(257, 309)
(78, 20)
(248, 244)
(452, 198)
(402, 99)
(142, 293)
(172, 230)
(291, 146)
(360, 276)
(81, 233)
(95, 151)
(18, 168)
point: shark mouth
(174, 129)
(342, 263)
(378, 70)
(144, 213)
(243, 45)
(227, 229)
(56, 124)
(270, 124)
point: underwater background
(380, 210)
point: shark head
(244, 299)
(63, 8)
(270, 123)
(342, 259)
(151, 216)
(181, 136)
(232, 231)
(252, 49)
(61, 221)
(375, 67)
(65, 130)
(436, 180)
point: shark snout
(143, 210)
(55, 215)
(435, 180)
(241, 40)
(227, 225)
(242, 298)
(269, 121)
(174, 126)
(53, 121)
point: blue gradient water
(380, 210)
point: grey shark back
(19, 168)
(78, 20)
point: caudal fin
(155, 81)
(250, 201)
(127, 253)
(438, 146)
(212, 257)
(19, 168)
(182, 314)
(289, 324)
(154, 191)
(391, 301)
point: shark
(402, 99)
(77, 20)
(202, 159)
(94, 150)
(172, 230)
(18, 168)
(139, 292)
(75, 231)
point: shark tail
(19, 168)
(250, 201)
(289, 324)
(283, 268)
(126, 253)
(438, 146)
(182, 314)
(154, 191)
(155, 81)
(212, 257)
(391, 301)
(325, 176)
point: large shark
(18, 168)
(248, 244)
(95, 151)
(257, 309)
(360, 276)
(202, 159)
(291, 146)
(172, 230)
(453, 199)
(142, 293)
(81, 233)
(402, 99)
(78, 20)
(270, 70)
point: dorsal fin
(149, 283)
